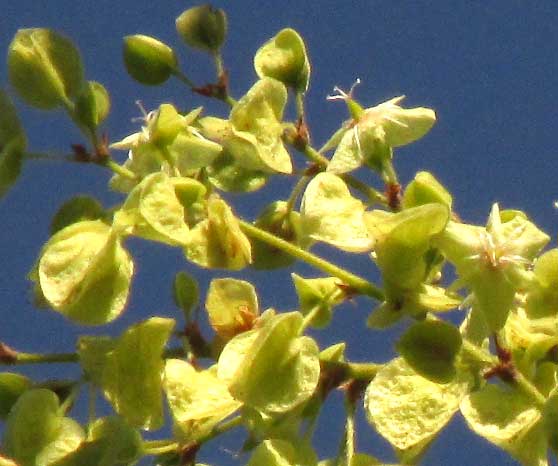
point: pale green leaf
(84, 273)
(198, 400)
(278, 452)
(256, 120)
(44, 67)
(218, 242)
(284, 58)
(67, 440)
(279, 370)
(131, 378)
(347, 156)
(407, 409)
(232, 306)
(110, 442)
(507, 419)
(403, 240)
(329, 213)
(153, 211)
(36, 432)
(191, 151)
(68, 257)
(105, 291)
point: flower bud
(186, 293)
(92, 105)
(44, 67)
(425, 189)
(203, 27)
(148, 60)
(284, 58)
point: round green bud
(148, 60)
(44, 67)
(92, 105)
(203, 27)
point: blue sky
(489, 69)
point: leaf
(153, 211)
(347, 156)
(218, 242)
(329, 213)
(278, 452)
(284, 58)
(12, 144)
(198, 400)
(409, 410)
(186, 292)
(232, 306)
(402, 240)
(12, 386)
(509, 420)
(36, 433)
(11, 160)
(191, 151)
(10, 126)
(277, 370)
(430, 348)
(44, 67)
(129, 370)
(84, 273)
(256, 122)
(110, 442)
(76, 209)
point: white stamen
(341, 94)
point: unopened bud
(92, 104)
(284, 58)
(148, 60)
(203, 27)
